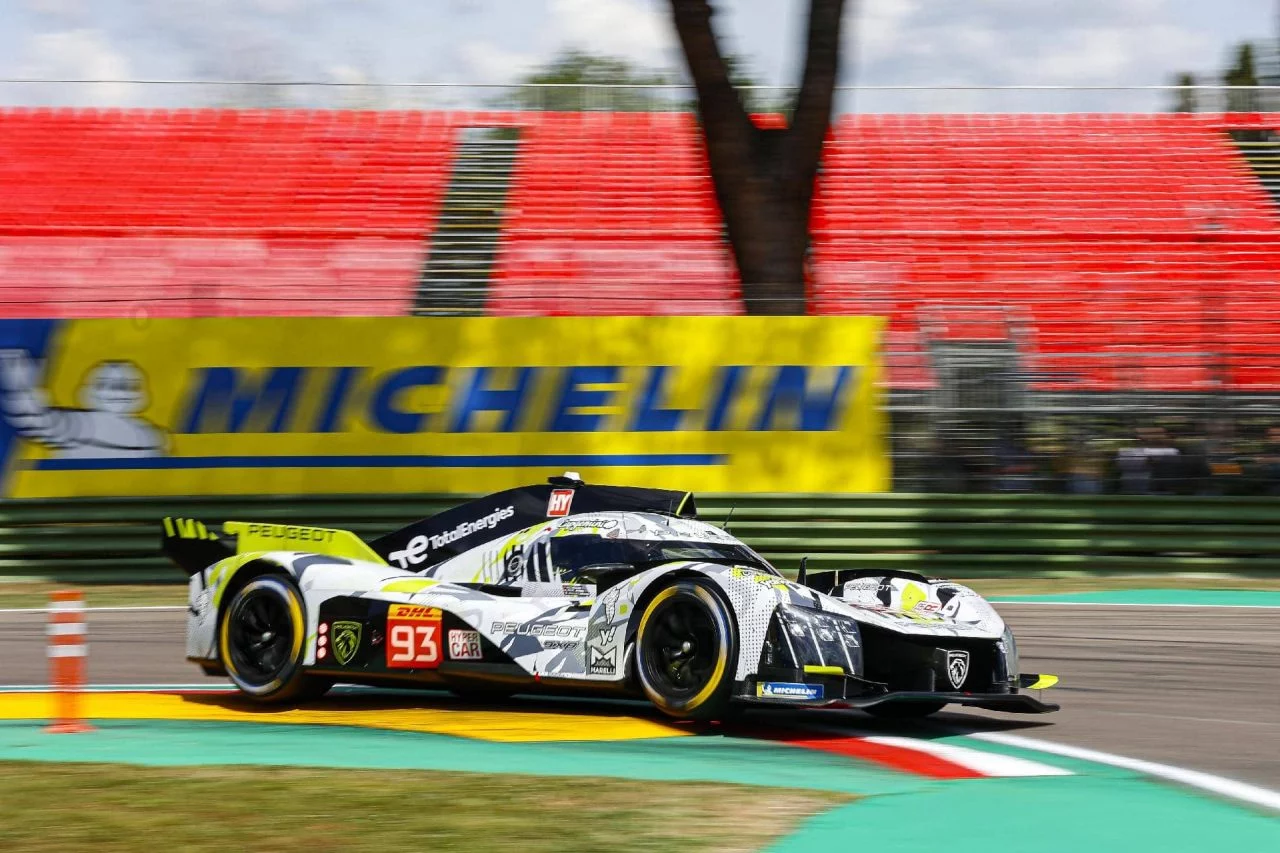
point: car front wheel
(687, 651)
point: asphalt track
(1194, 687)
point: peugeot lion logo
(957, 668)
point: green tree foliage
(1242, 73)
(1184, 99)
(577, 80)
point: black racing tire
(262, 642)
(905, 710)
(687, 651)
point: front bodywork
(503, 613)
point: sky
(888, 42)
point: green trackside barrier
(93, 540)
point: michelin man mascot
(108, 425)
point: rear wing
(193, 546)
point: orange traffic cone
(67, 654)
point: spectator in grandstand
(1214, 462)
(1193, 473)
(1151, 465)
(947, 469)
(1085, 470)
(1268, 461)
(1015, 469)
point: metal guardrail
(92, 540)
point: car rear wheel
(905, 710)
(262, 641)
(687, 651)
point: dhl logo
(412, 612)
(440, 399)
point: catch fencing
(674, 96)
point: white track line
(1222, 786)
(158, 608)
(987, 763)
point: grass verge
(36, 594)
(123, 808)
(1053, 586)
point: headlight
(1009, 648)
(801, 637)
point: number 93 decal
(413, 637)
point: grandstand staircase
(1262, 151)
(464, 241)
(977, 359)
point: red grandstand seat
(203, 211)
(1109, 236)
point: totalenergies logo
(440, 399)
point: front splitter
(1011, 703)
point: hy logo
(957, 668)
(559, 503)
(346, 639)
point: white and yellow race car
(575, 588)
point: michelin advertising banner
(379, 405)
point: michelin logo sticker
(108, 425)
(787, 690)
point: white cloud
(67, 11)
(634, 29)
(1024, 42)
(879, 23)
(486, 62)
(347, 74)
(78, 55)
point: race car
(568, 587)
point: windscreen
(572, 554)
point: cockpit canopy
(578, 558)
(585, 549)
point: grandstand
(1084, 251)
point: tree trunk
(764, 179)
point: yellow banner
(379, 405)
